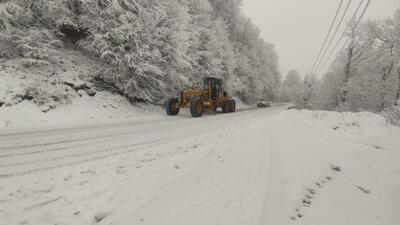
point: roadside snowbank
(364, 127)
(103, 107)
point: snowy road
(36, 150)
(252, 167)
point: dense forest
(153, 47)
(365, 76)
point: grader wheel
(232, 105)
(172, 107)
(197, 107)
(229, 106)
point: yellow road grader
(211, 97)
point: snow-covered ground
(104, 107)
(57, 95)
(268, 166)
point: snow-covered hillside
(62, 93)
(269, 166)
(148, 50)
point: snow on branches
(157, 47)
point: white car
(264, 104)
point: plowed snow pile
(269, 166)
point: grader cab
(211, 97)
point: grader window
(206, 85)
(215, 85)
(216, 90)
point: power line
(328, 34)
(363, 13)
(334, 35)
(344, 32)
(331, 53)
(347, 27)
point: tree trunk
(386, 73)
(398, 91)
(347, 74)
(385, 76)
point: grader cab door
(214, 85)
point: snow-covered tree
(291, 88)
(154, 48)
(309, 92)
(365, 75)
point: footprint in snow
(309, 196)
(88, 172)
(311, 193)
(67, 178)
(336, 168)
(100, 217)
(366, 191)
(83, 182)
(306, 202)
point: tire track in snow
(45, 203)
(274, 191)
(81, 141)
(72, 140)
(116, 151)
(125, 150)
(82, 129)
(112, 137)
(74, 137)
(33, 133)
(77, 155)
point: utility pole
(351, 33)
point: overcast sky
(298, 27)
